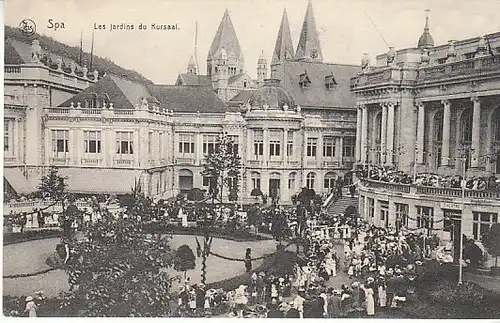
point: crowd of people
(388, 174)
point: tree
(492, 241)
(222, 167)
(52, 185)
(184, 259)
(195, 194)
(118, 268)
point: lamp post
(464, 182)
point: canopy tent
(18, 182)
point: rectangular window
(384, 212)
(209, 143)
(150, 143)
(312, 144)
(256, 182)
(60, 143)
(6, 136)
(401, 214)
(274, 143)
(425, 217)
(206, 181)
(349, 147)
(289, 144)
(124, 143)
(186, 143)
(482, 221)
(291, 182)
(160, 144)
(371, 207)
(258, 143)
(92, 142)
(441, 60)
(235, 140)
(329, 146)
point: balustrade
(430, 190)
(12, 69)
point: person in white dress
(370, 302)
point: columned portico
(383, 139)
(476, 127)
(390, 134)
(445, 158)
(420, 133)
(364, 135)
(359, 116)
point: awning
(100, 181)
(19, 183)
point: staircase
(337, 206)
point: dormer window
(469, 55)
(304, 80)
(330, 82)
(442, 60)
(92, 102)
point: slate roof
(234, 78)
(122, 92)
(18, 52)
(226, 38)
(125, 94)
(309, 38)
(188, 98)
(316, 94)
(194, 80)
(283, 49)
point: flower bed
(17, 237)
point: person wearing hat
(299, 302)
(334, 304)
(382, 292)
(293, 312)
(30, 307)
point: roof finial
(427, 19)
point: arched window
(255, 177)
(466, 126)
(291, 181)
(330, 179)
(378, 128)
(437, 137)
(310, 180)
(185, 180)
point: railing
(464, 67)
(294, 163)
(331, 164)
(123, 162)
(404, 188)
(12, 69)
(128, 112)
(311, 162)
(91, 161)
(275, 163)
(91, 111)
(59, 110)
(429, 190)
(254, 163)
(59, 160)
(184, 160)
(9, 160)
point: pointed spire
(426, 41)
(191, 68)
(283, 49)
(225, 37)
(309, 47)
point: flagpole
(81, 46)
(91, 52)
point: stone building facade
(431, 109)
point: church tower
(261, 69)
(283, 49)
(191, 68)
(309, 47)
(225, 39)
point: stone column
(359, 116)
(283, 145)
(390, 133)
(15, 146)
(136, 148)
(364, 135)
(249, 153)
(265, 157)
(476, 130)
(445, 155)
(383, 137)
(198, 148)
(420, 133)
(339, 144)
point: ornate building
(293, 130)
(431, 109)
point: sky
(347, 29)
